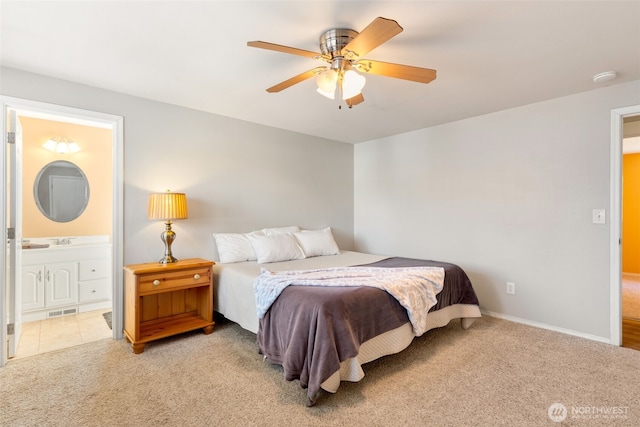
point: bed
(322, 335)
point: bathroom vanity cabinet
(65, 279)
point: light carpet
(497, 373)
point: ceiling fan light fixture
(352, 84)
(330, 95)
(326, 82)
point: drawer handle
(156, 282)
(196, 276)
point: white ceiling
(489, 55)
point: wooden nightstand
(161, 300)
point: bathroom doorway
(84, 316)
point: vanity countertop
(82, 248)
(63, 243)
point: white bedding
(234, 298)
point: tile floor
(47, 335)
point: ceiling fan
(344, 49)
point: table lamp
(167, 207)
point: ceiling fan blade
(355, 100)
(377, 32)
(285, 49)
(296, 79)
(405, 72)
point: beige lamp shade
(168, 206)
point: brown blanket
(310, 330)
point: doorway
(620, 327)
(10, 283)
(631, 233)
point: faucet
(63, 241)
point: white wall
(507, 196)
(238, 176)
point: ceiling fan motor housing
(333, 41)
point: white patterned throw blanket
(415, 288)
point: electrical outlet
(511, 288)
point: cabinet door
(61, 286)
(32, 287)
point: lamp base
(167, 260)
(168, 236)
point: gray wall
(238, 176)
(509, 197)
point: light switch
(599, 216)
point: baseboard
(545, 326)
(101, 305)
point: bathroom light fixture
(605, 77)
(61, 145)
(167, 206)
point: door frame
(75, 115)
(14, 257)
(615, 208)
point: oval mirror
(61, 191)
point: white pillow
(278, 247)
(317, 242)
(234, 247)
(280, 230)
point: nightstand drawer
(162, 282)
